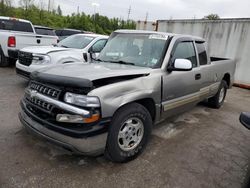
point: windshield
(45, 31)
(145, 50)
(15, 25)
(76, 41)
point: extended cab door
(209, 79)
(181, 88)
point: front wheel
(129, 133)
(218, 100)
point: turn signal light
(93, 118)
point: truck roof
(13, 18)
(42, 27)
(157, 32)
(92, 35)
(68, 29)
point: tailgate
(24, 40)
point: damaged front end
(62, 110)
(63, 102)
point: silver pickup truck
(110, 105)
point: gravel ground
(201, 148)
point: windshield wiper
(64, 46)
(100, 60)
(122, 62)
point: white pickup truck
(16, 34)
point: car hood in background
(45, 49)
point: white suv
(74, 48)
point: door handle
(197, 76)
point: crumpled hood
(82, 74)
(45, 49)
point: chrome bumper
(88, 146)
(56, 103)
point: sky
(156, 9)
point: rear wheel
(129, 133)
(3, 60)
(218, 100)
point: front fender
(113, 96)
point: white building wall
(226, 38)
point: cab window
(185, 50)
(15, 25)
(201, 49)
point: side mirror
(245, 119)
(181, 65)
(93, 55)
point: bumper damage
(88, 145)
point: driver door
(181, 88)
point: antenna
(146, 18)
(49, 6)
(78, 12)
(129, 12)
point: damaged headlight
(82, 100)
(41, 59)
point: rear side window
(201, 49)
(44, 31)
(185, 50)
(15, 25)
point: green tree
(59, 10)
(212, 17)
(38, 14)
(2, 10)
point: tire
(124, 126)
(218, 100)
(3, 60)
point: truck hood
(45, 49)
(87, 74)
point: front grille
(40, 104)
(25, 58)
(45, 90)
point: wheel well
(149, 104)
(227, 79)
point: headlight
(41, 59)
(81, 100)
